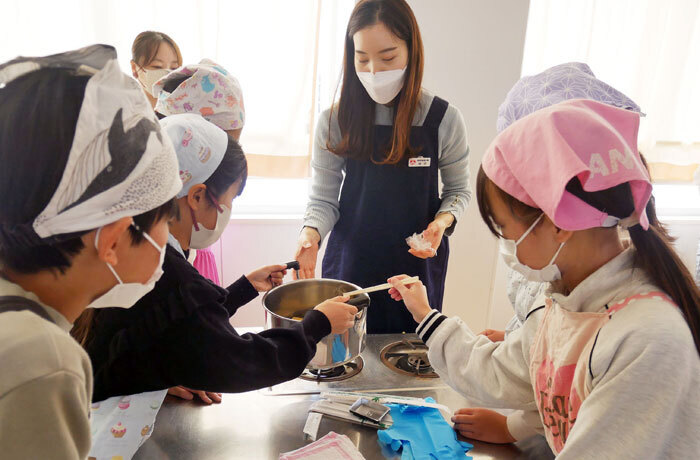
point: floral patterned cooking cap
(210, 91)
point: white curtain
(648, 49)
(274, 47)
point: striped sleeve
(429, 324)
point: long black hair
(38, 117)
(355, 108)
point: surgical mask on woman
(382, 87)
(203, 237)
(509, 252)
(148, 77)
(125, 295)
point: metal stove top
(334, 374)
(375, 376)
(408, 357)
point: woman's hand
(207, 397)
(265, 278)
(482, 425)
(414, 295)
(493, 335)
(339, 314)
(307, 253)
(433, 234)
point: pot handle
(359, 301)
(293, 265)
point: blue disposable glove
(422, 433)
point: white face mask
(148, 77)
(382, 87)
(125, 295)
(509, 252)
(202, 237)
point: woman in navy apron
(378, 158)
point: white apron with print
(559, 361)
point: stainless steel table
(258, 426)
(262, 424)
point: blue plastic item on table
(422, 433)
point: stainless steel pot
(292, 299)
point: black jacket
(179, 334)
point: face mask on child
(382, 87)
(148, 77)
(509, 252)
(203, 237)
(125, 295)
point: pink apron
(559, 361)
(205, 263)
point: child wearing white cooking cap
(182, 328)
(87, 184)
(206, 89)
(209, 90)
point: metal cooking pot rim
(300, 282)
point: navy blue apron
(381, 205)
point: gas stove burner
(334, 374)
(409, 357)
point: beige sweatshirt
(45, 385)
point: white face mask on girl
(125, 295)
(202, 237)
(509, 252)
(382, 87)
(148, 77)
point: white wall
(474, 51)
(473, 56)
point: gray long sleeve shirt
(323, 209)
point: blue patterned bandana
(573, 80)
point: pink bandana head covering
(210, 91)
(534, 159)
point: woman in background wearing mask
(153, 56)
(181, 329)
(389, 139)
(67, 244)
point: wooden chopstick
(380, 287)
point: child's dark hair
(654, 252)
(172, 84)
(38, 116)
(233, 167)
